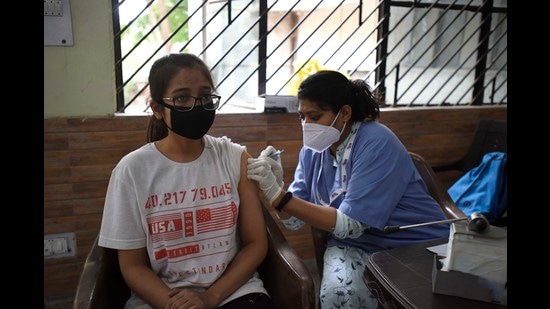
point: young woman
(353, 178)
(185, 219)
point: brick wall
(79, 154)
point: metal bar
(360, 13)
(262, 61)
(384, 56)
(351, 35)
(299, 46)
(322, 44)
(236, 41)
(419, 4)
(461, 65)
(479, 92)
(117, 53)
(154, 53)
(503, 98)
(382, 49)
(246, 55)
(117, 8)
(364, 40)
(250, 51)
(145, 36)
(294, 28)
(345, 40)
(439, 53)
(495, 89)
(266, 74)
(133, 99)
(482, 51)
(229, 10)
(404, 227)
(441, 33)
(496, 42)
(151, 57)
(492, 95)
(396, 84)
(262, 48)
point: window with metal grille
(414, 53)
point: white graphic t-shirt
(184, 213)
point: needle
(276, 153)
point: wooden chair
(490, 135)
(437, 191)
(285, 276)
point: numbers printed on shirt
(191, 195)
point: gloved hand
(274, 162)
(262, 171)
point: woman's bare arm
(253, 238)
(141, 279)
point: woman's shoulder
(224, 147)
(222, 141)
(375, 126)
(137, 155)
(375, 135)
(135, 159)
(374, 130)
(142, 150)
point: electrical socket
(59, 245)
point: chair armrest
(101, 284)
(319, 246)
(285, 276)
(88, 279)
(490, 135)
(436, 190)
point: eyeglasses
(186, 103)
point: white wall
(79, 80)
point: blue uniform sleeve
(379, 173)
(299, 185)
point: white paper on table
(440, 250)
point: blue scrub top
(384, 188)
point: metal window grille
(413, 53)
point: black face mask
(192, 124)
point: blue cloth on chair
(484, 188)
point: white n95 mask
(319, 137)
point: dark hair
(161, 73)
(332, 90)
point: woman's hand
(274, 162)
(268, 173)
(188, 298)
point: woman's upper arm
(251, 220)
(129, 259)
(134, 265)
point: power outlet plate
(59, 245)
(58, 27)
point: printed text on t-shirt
(174, 198)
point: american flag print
(216, 218)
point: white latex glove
(274, 162)
(260, 170)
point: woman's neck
(180, 149)
(343, 136)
